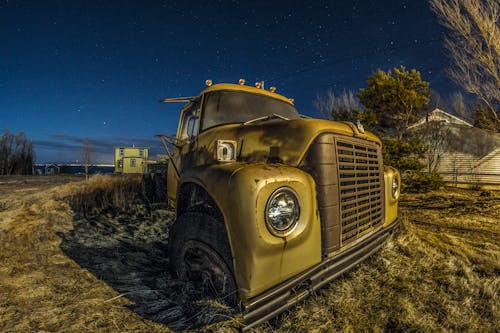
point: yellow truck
(271, 205)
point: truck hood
(284, 141)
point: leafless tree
(5, 152)
(459, 107)
(473, 43)
(16, 154)
(87, 152)
(338, 107)
(436, 100)
(435, 136)
(472, 141)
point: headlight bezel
(395, 186)
(296, 210)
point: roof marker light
(241, 82)
(258, 85)
(272, 89)
(208, 83)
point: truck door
(183, 156)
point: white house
(462, 153)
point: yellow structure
(131, 159)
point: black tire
(199, 251)
(159, 187)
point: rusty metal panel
(360, 172)
(349, 175)
(321, 162)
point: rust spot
(283, 254)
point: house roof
(440, 116)
(51, 165)
(495, 154)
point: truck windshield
(229, 107)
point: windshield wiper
(274, 115)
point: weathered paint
(250, 89)
(241, 191)
(292, 138)
(391, 203)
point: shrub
(105, 192)
(419, 181)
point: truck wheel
(199, 252)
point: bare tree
(459, 107)
(87, 152)
(338, 107)
(436, 101)
(24, 155)
(16, 154)
(5, 152)
(473, 43)
(436, 136)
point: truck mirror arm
(166, 139)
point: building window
(121, 152)
(132, 163)
(141, 152)
(120, 164)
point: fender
(241, 190)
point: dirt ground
(78, 257)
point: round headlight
(282, 211)
(395, 186)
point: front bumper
(276, 300)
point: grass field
(79, 257)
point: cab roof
(249, 89)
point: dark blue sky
(72, 70)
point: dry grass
(41, 288)
(90, 257)
(441, 273)
(103, 193)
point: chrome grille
(360, 188)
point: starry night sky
(71, 70)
